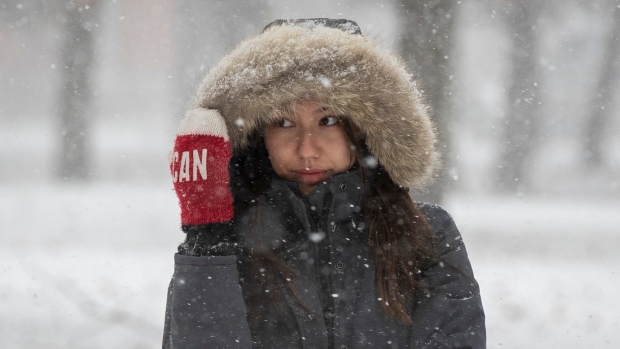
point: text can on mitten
(199, 168)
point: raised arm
(205, 307)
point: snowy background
(85, 263)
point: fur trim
(350, 74)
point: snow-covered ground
(85, 267)
(88, 266)
(548, 270)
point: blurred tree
(602, 102)
(426, 44)
(523, 115)
(79, 19)
(28, 36)
(204, 32)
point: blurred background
(524, 94)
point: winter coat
(206, 307)
(322, 236)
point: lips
(309, 175)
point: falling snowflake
(325, 82)
(317, 237)
(370, 161)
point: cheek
(272, 140)
(347, 157)
(341, 151)
(276, 150)
(277, 161)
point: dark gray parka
(320, 237)
(206, 307)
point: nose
(307, 146)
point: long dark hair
(398, 234)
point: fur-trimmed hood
(349, 73)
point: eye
(328, 121)
(284, 123)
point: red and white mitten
(199, 168)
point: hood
(347, 72)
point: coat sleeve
(205, 307)
(449, 314)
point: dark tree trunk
(600, 115)
(426, 44)
(523, 115)
(75, 94)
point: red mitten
(199, 168)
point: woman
(316, 135)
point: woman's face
(308, 146)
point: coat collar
(338, 197)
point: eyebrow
(322, 109)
